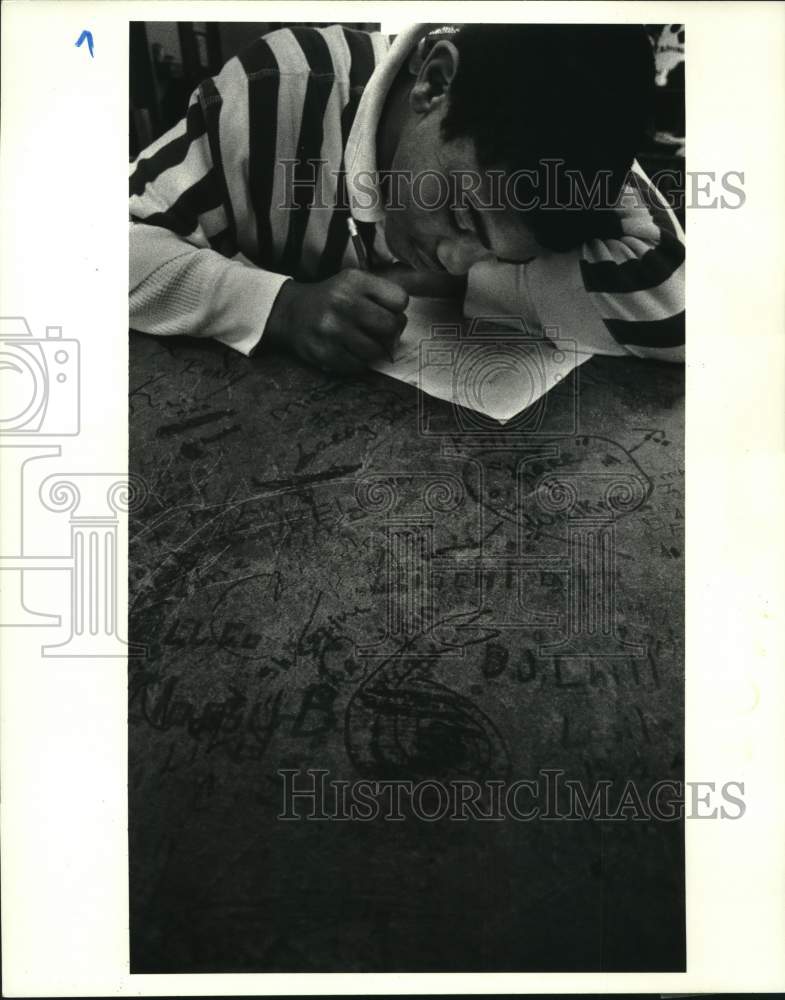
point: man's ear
(436, 63)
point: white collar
(360, 154)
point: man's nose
(458, 254)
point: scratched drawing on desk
(272, 557)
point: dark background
(169, 60)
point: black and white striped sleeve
(188, 274)
(618, 296)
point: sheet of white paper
(490, 366)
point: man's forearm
(176, 288)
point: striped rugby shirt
(231, 202)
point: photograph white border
(63, 261)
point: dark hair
(579, 94)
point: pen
(359, 247)
(362, 259)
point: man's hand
(341, 324)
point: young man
(500, 154)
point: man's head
(515, 137)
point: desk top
(340, 575)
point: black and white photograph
(392, 563)
(407, 398)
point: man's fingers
(381, 324)
(347, 351)
(385, 293)
(361, 345)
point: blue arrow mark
(88, 36)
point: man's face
(429, 224)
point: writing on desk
(569, 674)
(240, 725)
(655, 435)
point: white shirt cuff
(245, 296)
